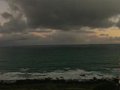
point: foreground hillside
(60, 85)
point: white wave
(67, 75)
(116, 70)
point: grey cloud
(6, 15)
(67, 14)
(13, 25)
(46, 15)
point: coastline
(61, 84)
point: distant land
(66, 45)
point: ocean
(59, 61)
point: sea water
(63, 61)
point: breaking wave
(66, 75)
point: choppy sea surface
(64, 61)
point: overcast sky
(44, 22)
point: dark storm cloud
(66, 14)
(14, 25)
(6, 15)
(58, 21)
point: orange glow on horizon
(109, 32)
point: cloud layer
(67, 14)
(59, 21)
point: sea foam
(66, 75)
